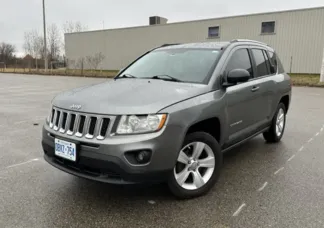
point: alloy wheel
(280, 122)
(195, 166)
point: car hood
(128, 96)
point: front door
(243, 99)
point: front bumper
(105, 160)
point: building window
(268, 27)
(213, 32)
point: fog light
(143, 156)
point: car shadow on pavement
(243, 171)
(253, 156)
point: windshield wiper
(166, 77)
(126, 76)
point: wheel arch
(211, 126)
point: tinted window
(270, 69)
(240, 60)
(273, 60)
(280, 66)
(260, 63)
(188, 65)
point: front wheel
(277, 128)
(198, 166)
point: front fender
(194, 110)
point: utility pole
(322, 69)
(45, 45)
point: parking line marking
(311, 139)
(291, 158)
(20, 122)
(15, 87)
(263, 186)
(275, 173)
(237, 212)
(23, 163)
(300, 149)
(317, 134)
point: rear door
(264, 76)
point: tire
(207, 176)
(272, 136)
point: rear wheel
(198, 166)
(277, 128)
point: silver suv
(170, 115)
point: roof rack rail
(165, 45)
(247, 40)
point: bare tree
(97, 59)
(38, 46)
(28, 43)
(80, 64)
(34, 45)
(78, 27)
(54, 40)
(72, 64)
(70, 26)
(89, 60)
(94, 61)
(6, 52)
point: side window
(273, 60)
(240, 60)
(260, 63)
(270, 70)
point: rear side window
(270, 67)
(240, 60)
(274, 59)
(260, 63)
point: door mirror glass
(238, 75)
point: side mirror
(238, 75)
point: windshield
(186, 65)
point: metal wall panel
(299, 36)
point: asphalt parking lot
(262, 185)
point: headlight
(140, 124)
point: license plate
(65, 149)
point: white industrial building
(297, 35)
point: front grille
(79, 124)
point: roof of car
(205, 45)
(211, 45)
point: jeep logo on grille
(75, 107)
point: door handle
(255, 88)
